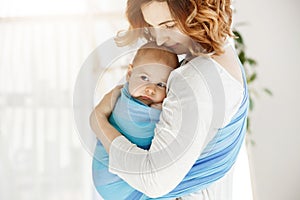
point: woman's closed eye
(169, 25)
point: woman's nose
(161, 36)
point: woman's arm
(104, 131)
(179, 138)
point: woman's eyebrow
(172, 20)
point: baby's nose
(150, 89)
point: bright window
(42, 47)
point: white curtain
(42, 47)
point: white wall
(273, 39)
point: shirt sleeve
(179, 139)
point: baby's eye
(144, 78)
(162, 85)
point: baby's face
(147, 82)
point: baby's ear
(129, 70)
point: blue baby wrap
(215, 161)
(136, 121)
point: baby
(148, 74)
(136, 112)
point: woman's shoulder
(196, 70)
(205, 76)
(205, 68)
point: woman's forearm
(104, 131)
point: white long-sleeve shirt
(198, 93)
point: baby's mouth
(145, 99)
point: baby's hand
(156, 106)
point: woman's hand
(106, 105)
(99, 118)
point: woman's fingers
(108, 102)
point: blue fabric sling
(215, 161)
(136, 121)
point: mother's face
(165, 30)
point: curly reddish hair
(208, 22)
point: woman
(204, 114)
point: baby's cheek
(130, 90)
(133, 89)
(161, 95)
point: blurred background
(43, 45)
(272, 36)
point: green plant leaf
(239, 38)
(252, 77)
(269, 92)
(251, 104)
(248, 125)
(252, 142)
(251, 61)
(242, 57)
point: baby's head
(148, 74)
